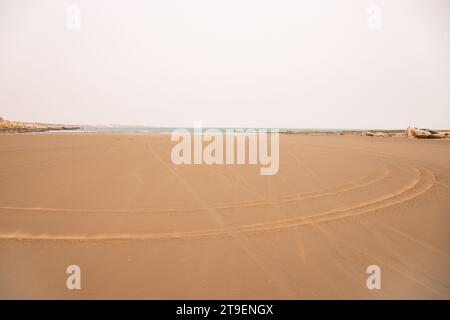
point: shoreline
(7, 126)
(394, 133)
(14, 127)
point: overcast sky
(227, 63)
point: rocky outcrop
(425, 133)
(376, 134)
(20, 127)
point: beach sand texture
(141, 227)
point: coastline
(7, 126)
(49, 129)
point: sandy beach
(141, 227)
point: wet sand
(142, 227)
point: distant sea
(145, 129)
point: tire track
(424, 181)
(223, 206)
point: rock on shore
(425, 133)
(409, 133)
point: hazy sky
(267, 63)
